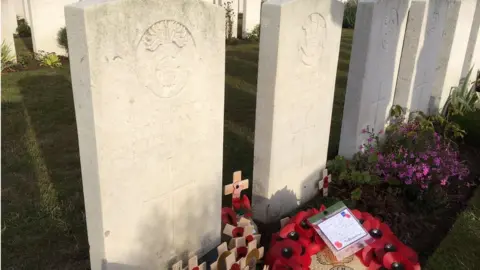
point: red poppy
(312, 245)
(322, 208)
(325, 182)
(196, 268)
(374, 265)
(378, 230)
(302, 226)
(235, 266)
(237, 232)
(366, 255)
(280, 265)
(362, 216)
(249, 238)
(393, 260)
(241, 252)
(396, 246)
(229, 216)
(242, 206)
(289, 253)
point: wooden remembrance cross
(236, 187)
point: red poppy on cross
(324, 182)
(236, 187)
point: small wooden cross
(226, 258)
(237, 185)
(192, 263)
(324, 182)
(254, 254)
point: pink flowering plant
(415, 157)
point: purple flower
(443, 182)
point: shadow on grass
(240, 103)
(42, 200)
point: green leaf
(356, 194)
(393, 181)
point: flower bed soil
(420, 227)
(33, 65)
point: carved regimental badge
(165, 57)
(313, 39)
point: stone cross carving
(192, 264)
(323, 184)
(237, 185)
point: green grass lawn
(461, 248)
(43, 219)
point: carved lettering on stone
(313, 39)
(166, 51)
(390, 27)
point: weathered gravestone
(372, 76)
(9, 25)
(442, 56)
(150, 125)
(46, 19)
(298, 59)
(251, 16)
(412, 46)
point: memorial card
(340, 230)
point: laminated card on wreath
(340, 230)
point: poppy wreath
(387, 252)
(293, 246)
(242, 206)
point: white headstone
(26, 11)
(251, 16)
(299, 50)
(19, 10)
(441, 60)
(377, 45)
(412, 46)
(9, 24)
(46, 19)
(150, 126)
(472, 56)
(240, 6)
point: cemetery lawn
(43, 219)
(459, 250)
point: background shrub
(23, 29)
(255, 34)
(350, 14)
(470, 122)
(8, 59)
(62, 38)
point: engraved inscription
(433, 23)
(313, 39)
(389, 27)
(165, 55)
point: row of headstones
(250, 10)
(148, 80)
(407, 54)
(46, 17)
